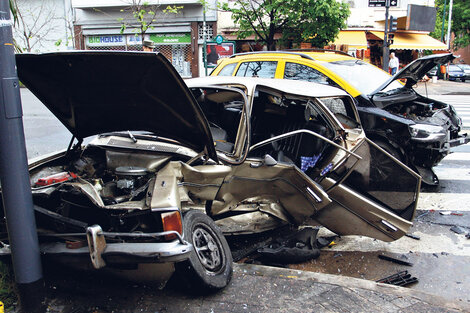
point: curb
(350, 282)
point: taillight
(172, 221)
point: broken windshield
(363, 76)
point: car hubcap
(207, 248)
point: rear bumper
(100, 253)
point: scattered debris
(399, 279)
(337, 254)
(331, 244)
(423, 214)
(468, 236)
(450, 213)
(296, 248)
(444, 253)
(435, 254)
(394, 260)
(415, 237)
(325, 241)
(457, 229)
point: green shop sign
(168, 39)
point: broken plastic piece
(56, 178)
(394, 260)
(399, 279)
(457, 230)
(413, 236)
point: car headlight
(426, 132)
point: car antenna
(131, 136)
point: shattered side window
(263, 69)
(343, 110)
(297, 71)
(223, 109)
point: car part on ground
(420, 129)
(402, 278)
(297, 248)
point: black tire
(209, 267)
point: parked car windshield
(454, 68)
(363, 76)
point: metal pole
(204, 37)
(443, 20)
(14, 177)
(385, 54)
(449, 24)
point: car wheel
(209, 267)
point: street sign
(219, 39)
(382, 3)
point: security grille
(209, 31)
(178, 55)
(112, 48)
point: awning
(353, 38)
(413, 41)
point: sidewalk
(443, 87)
(253, 289)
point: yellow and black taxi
(415, 129)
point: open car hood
(97, 92)
(416, 70)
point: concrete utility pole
(449, 24)
(204, 37)
(386, 53)
(14, 177)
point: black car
(417, 130)
(455, 72)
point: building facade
(111, 25)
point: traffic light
(390, 38)
(393, 24)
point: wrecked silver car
(173, 166)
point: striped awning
(353, 38)
(413, 41)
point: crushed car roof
(299, 87)
(93, 92)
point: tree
(314, 21)
(144, 16)
(460, 22)
(34, 22)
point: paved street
(440, 257)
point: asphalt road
(440, 257)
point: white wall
(362, 15)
